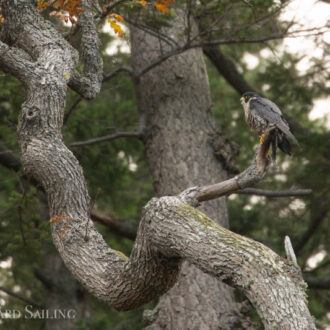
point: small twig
(161, 59)
(18, 296)
(114, 73)
(156, 33)
(317, 216)
(271, 193)
(316, 282)
(109, 9)
(191, 45)
(106, 138)
(188, 30)
(20, 218)
(73, 106)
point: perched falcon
(261, 113)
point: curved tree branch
(170, 231)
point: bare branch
(159, 60)
(107, 138)
(317, 216)
(114, 73)
(124, 227)
(317, 282)
(271, 193)
(249, 177)
(20, 297)
(109, 8)
(227, 69)
(106, 77)
(156, 33)
(189, 45)
(73, 106)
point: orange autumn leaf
(1, 18)
(57, 218)
(58, 4)
(161, 7)
(63, 231)
(117, 29)
(143, 3)
(42, 4)
(117, 17)
(68, 10)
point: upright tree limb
(88, 85)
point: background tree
(125, 155)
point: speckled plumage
(260, 113)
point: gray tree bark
(175, 103)
(171, 231)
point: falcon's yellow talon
(261, 138)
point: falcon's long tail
(286, 130)
(284, 144)
(280, 141)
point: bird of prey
(260, 113)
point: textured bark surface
(170, 230)
(174, 100)
(274, 285)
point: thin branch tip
(289, 250)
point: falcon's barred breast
(261, 113)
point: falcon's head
(246, 97)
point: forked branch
(247, 178)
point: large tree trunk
(174, 101)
